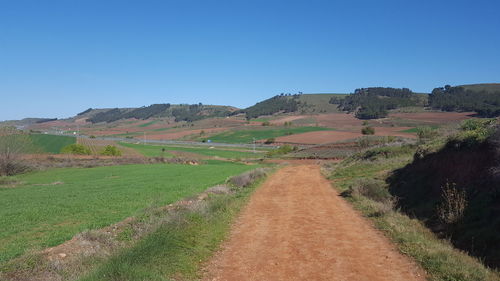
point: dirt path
(296, 227)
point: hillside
(488, 87)
(455, 188)
(181, 112)
(373, 103)
(481, 98)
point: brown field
(337, 120)
(321, 137)
(318, 137)
(280, 121)
(180, 134)
(434, 117)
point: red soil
(434, 117)
(180, 134)
(321, 137)
(297, 227)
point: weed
(370, 188)
(246, 179)
(453, 204)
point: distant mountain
(26, 122)
(367, 103)
(180, 112)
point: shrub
(453, 204)
(219, 189)
(370, 188)
(426, 133)
(247, 178)
(270, 141)
(475, 124)
(92, 137)
(266, 123)
(284, 149)
(75, 148)
(111, 150)
(385, 152)
(13, 143)
(363, 142)
(368, 130)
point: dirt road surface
(297, 227)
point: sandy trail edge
(297, 227)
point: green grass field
(50, 207)
(179, 249)
(247, 136)
(51, 143)
(155, 151)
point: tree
(111, 150)
(76, 148)
(13, 144)
(368, 130)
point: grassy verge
(49, 207)
(178, 248)
(362, 182)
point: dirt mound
(296, 227)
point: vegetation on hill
(182, 112)
(84, 112)
(485, 102)
(199, 111)
(45, 120)
(489, 87)
(280, 103)
(138, 113)
(372, 103)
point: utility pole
(144, 138)
(254, 145)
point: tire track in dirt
(297, 227)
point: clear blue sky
(58, 58)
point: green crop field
(247, 136)
(51, 143)
(50, 207)
(156, 150)
(415, 130)
(148, 124)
